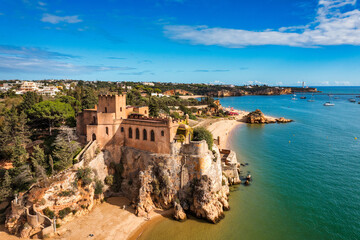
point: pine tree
(65, 148)
(51, 163)
(5, 190)
(38, 156)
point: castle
(114, 124)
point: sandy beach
(107, 221)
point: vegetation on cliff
(201, 133)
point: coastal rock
(208, 204)
(179, 213)
(257, 117)
(283, 120)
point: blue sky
(277, 42)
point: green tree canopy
(29, 100)
(48, 114)
(201, 133)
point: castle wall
(113, 104)
(83, 119)
(142, 110)
(162, 134)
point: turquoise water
(306, 174)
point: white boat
(329, 104)
(311, 99)
(352, 100)
(294, 97)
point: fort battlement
(158, 119)
(115, 124)
(112, 95)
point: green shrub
(98, 187)
(47, 212)
(192, 117)
(64, 212)
(66, 193)
(109, 180)
(84, 174)
(201, 133)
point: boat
(312, 98)
(329, 103)
(358, 96)
(336, 98)
(294, 97)
(352, 100)
(302, 97)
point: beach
(108, 220)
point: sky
(274, 42)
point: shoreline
(109, 221)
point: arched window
(162, 133)
(107, 130)
(137, 134)
(105, 109)
(145, 112)
(130, 133)
(122, 129)
(120, 109)
(144, 134)
(152, 136)
(94, 119)
(93, 137)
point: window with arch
(94, 119)
(122, 129)
(137, 133)
(162, 133)
(145, 112)
(130, 133)
(107, 130)
(120, 109)
(144, 134)
(152, 136)
(93, 137)
(105, 109)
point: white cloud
(331, 27)
(15, 59)
(57, 19)
(342, 83)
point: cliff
(192, 181)
(259, 91)
(70, 193)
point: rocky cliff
(257, 117)
(191, 181)
(70, 193)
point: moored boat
(311, 99)
(352, 100)
(329, 104)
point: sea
(306, 174)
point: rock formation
(257, 117)
(191, 181)
(64, 196)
